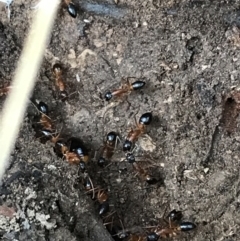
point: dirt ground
(187, 53)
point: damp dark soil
(188, 54)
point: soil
(187, 53)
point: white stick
(24, 80)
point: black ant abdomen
(146, 118)
(118, 233)
(127, 145)
(130, 157)
(72, 9)
(137, 85)
(151, 180)
(42, 107)
(87, 184)
(108, 96)
(103, 208)
(175, 215)
(152, 237)
(187, 226)
(77, 146)
(47, 133)
(111, 137)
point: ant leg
(118, 140)
(100, 97)
(129, 104)
(124, 83)
(135, 119)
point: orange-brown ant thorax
(134, 134)
(46, 122)
(102, 196)
(135, 237)
(72, 157)
(167, 232)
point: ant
(45, 125)
(108, 149)
(45, 120)
(134, 134)
(71, 8)
(102, 198)
(74, 152)
(62, 150)
(126, 88)
(135, 237)
(58, 74)
(101, 195)
(175, 227)
(144, 174)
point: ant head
(76, 145)
(42, 107)
(108, 96)
(47, 133)
(175, 215)
(82, 166)
(130, 157)
(127, 145)
(63, 95)
(122, 235)
(146, 118)
(152, 237)
(72, 10)
(87, 184)
(103, 208)
(60, 143)
(57, 68)
(111, 136)
(101, 162)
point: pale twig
(24, 80)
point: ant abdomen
(151, 180)
(103, 208)
(187, 226)
(42, 107)
(87, 184)
(46, 133)
(137, 85)
(152, 237)
(111, 137)
(146, 118)
(72, 10)
(130, 157)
